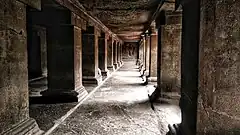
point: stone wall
(219, 82)
(130, 51)
(13, 64)
(171, 56)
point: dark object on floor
(152, 106)
(174, 129)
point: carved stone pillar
(91, 72)
(119, 54)
(147, 55)
(103, 54)
(110, 49)
(153, 57)
(14, 100)
(115, 61)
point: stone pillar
(91, 72)
(171, 55)
(218, 95)
(190, 66)
(14, 100)
(65, 67)
(103, 54)
(141, 56)
(153, 57)
(110, 49)
(119, 54)
(147, 55)
(115, 55)
(37, 63)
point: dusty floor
(119, 107)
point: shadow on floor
(47, 114)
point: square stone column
(103, 53)
(190, 67)
(91, 71)
(171, 58)
(141, 56)
(64, 63)
(218, 92)
(14, 99)
(153, 57)
(110, 65)
(147, 55)
(144, 54)
(119, 55)
(115, 61)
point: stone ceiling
(127, 18)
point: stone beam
(77, 8)
(32, 3)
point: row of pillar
(197, 57)
(73, 53)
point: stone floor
(119, 107)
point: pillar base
(115, 66)
(92, 80)
(119, 64)
(146, 73)
(105, 72)
(27, 127)
(111, 68)
(152, 79)
(60, 96)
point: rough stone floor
(119, 107)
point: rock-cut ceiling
(127, 18)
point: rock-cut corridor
(120, 107)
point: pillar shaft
(115, 61)
(219, 95)
(147, 55)
(14, 100)
(119, 54)
(153, 57)
(91, 72)
(189, 66)
(103, 54)
(171, 58)
(110, 65)
(64, 67)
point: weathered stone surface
(219, 94)
(153, 57)
(91, 72)
(110, 57)
(129, 51)
(64, 67)
(13, 66)
(37, 51)
(127, 19)
(171, 57)
(33, 3)
(103, 55)
(147, 55)
(115, 53)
